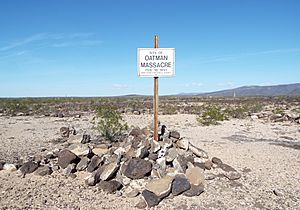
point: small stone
(153, 156)
(71, 168)
(183, 144)
(208, 164)
(1, 165)
(109, 171)
(43, 171)
(194, 190)
(138, 168)
(195, 176)
(209, 176)
(226, 168)
(110, 186)
(120, 151)
(162, 163)
(66, 157)
(278, 192)
(150, 198)
(83, 164)
(171, 154)
(94, 164)
(174, 134)
(9, 167)
(141, 204)
(160, 187)
(180, 185)
(155, 147)
(232, 175)
(94, 178)
(131, 193)
(28, 167)
(216, 160)
(86, 138)
(64, 132)
(198, 152)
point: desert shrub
(237, 112)
(211, 116)
(109, 122)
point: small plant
(109, 122)
(211, 116)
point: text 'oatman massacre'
(154, 62)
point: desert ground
(266, 154)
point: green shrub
(109, 122)
(211, 116)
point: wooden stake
(155, 98)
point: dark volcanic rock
(153, 156)
(180, 184)
(94, 178)
(138, 168)
(71, 168)
(66, 157)
(150, 198)
(194, 191)
(226, 167)
(28, 167)
(64, 132)
(86, 138)
(174, 134)
(110, 186)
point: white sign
(156, 62)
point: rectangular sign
(156, 62)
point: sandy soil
(266, 154)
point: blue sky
(89, 47)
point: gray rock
(194, 190)
(86, 138)
(175, 134)
(83, 164)
(28, 167)
(226, 168)
(162, 163)
(94, 164)
(278, 192)
(66, 157)
(71, 168)
(43, 171)
(64, 132)
(183, 144)
(150, 198)
(138, 168)
(109, 171)
(180, 164)
(162, 153)
(171, 154)
(94, 177)
(153, 156)
(110, 186)
(208, 165)
(131, 193)
(232, 175)
(198, 152)
(180, 185)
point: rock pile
(136, 165)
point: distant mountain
(274, 90)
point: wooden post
(155, 98)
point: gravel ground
(266, 154)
